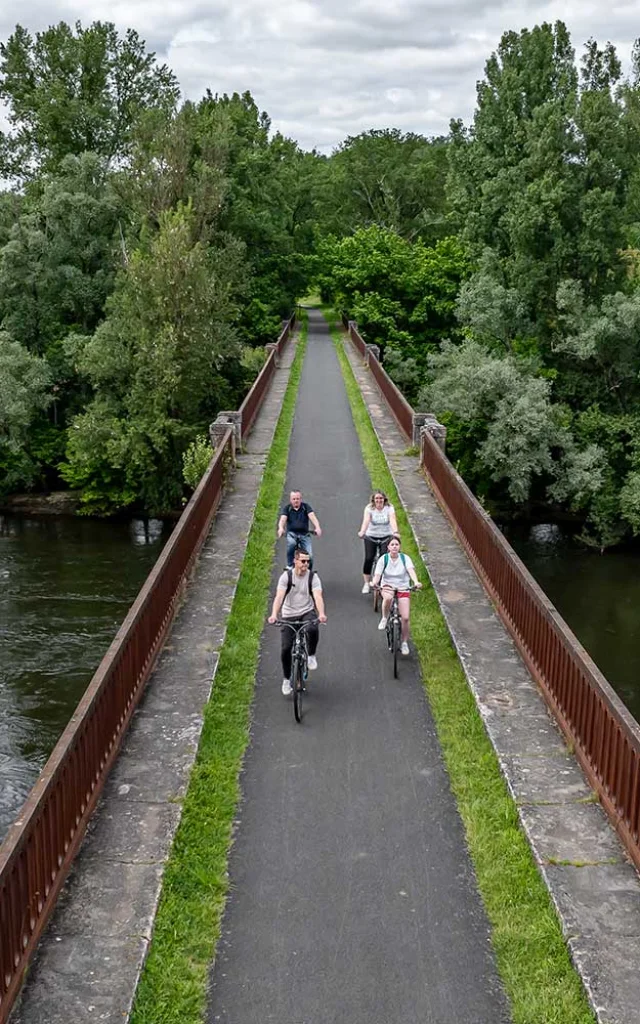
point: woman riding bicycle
(396, 571)
(378, 523)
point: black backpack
(290, 583)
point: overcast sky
(325, 69)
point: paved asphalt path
(352, 897)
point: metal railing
(396, 401)
(601, 730)
(253, 401)
(39, 848)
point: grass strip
(172, 988)
(533, 961)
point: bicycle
(394, 627)
(299, 660)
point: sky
(326, 69)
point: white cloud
(324, 69)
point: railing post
(372, 350)
(219, 427)
(272, 346)
(426, 423)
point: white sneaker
(286, 687)
(365, 588)
(312, 662)
(404, 647)
(383, 623)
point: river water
(65, 586)
(597, 595)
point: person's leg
(387, 598)
(305, 545)
(403, 607)
(286, 639)
(313, 633)
(291, 547)
(369, 555)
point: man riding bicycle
(294, 521)
(298, 598)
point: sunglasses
(303, 561)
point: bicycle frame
(394, 625)
(299, 659)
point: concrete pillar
(219, 427)
(373, 350)
(272, 347)
(426, 422)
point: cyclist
(294, 521)
(396, 570)
(298, 598)
(378, 523)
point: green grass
(172, 988)
(539, 978)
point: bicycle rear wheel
(298, 689)
(376, 600)
(395, 640)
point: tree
(156, 365)
(69, 91)
(386, 179)
(24, 392)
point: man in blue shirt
(294, 521)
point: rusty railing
(253, 401)
(396, 401)
(601, 730)
(39, 848)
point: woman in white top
(378, 523)
(398, 573)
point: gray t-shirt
(380, 522)
(395, 574)
(298, 600)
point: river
(597, 595)
(65, 586)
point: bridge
(352, 892)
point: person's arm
(282, 524)
(366, 519)
(277, 604)
(412, 575)
(313, 519)
(319, 600)
(378, 572)
(393, 522)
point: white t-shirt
(298, 601)
(395, 574)
(380, 521)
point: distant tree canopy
(524, 334)
(145, 247)
(149, 248)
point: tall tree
(72, 90)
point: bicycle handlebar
(300, 625)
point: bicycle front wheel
(395, 640)
(298, 689)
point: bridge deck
(352, 895)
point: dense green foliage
(145, 250)
(521, 329)
(146, 247)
